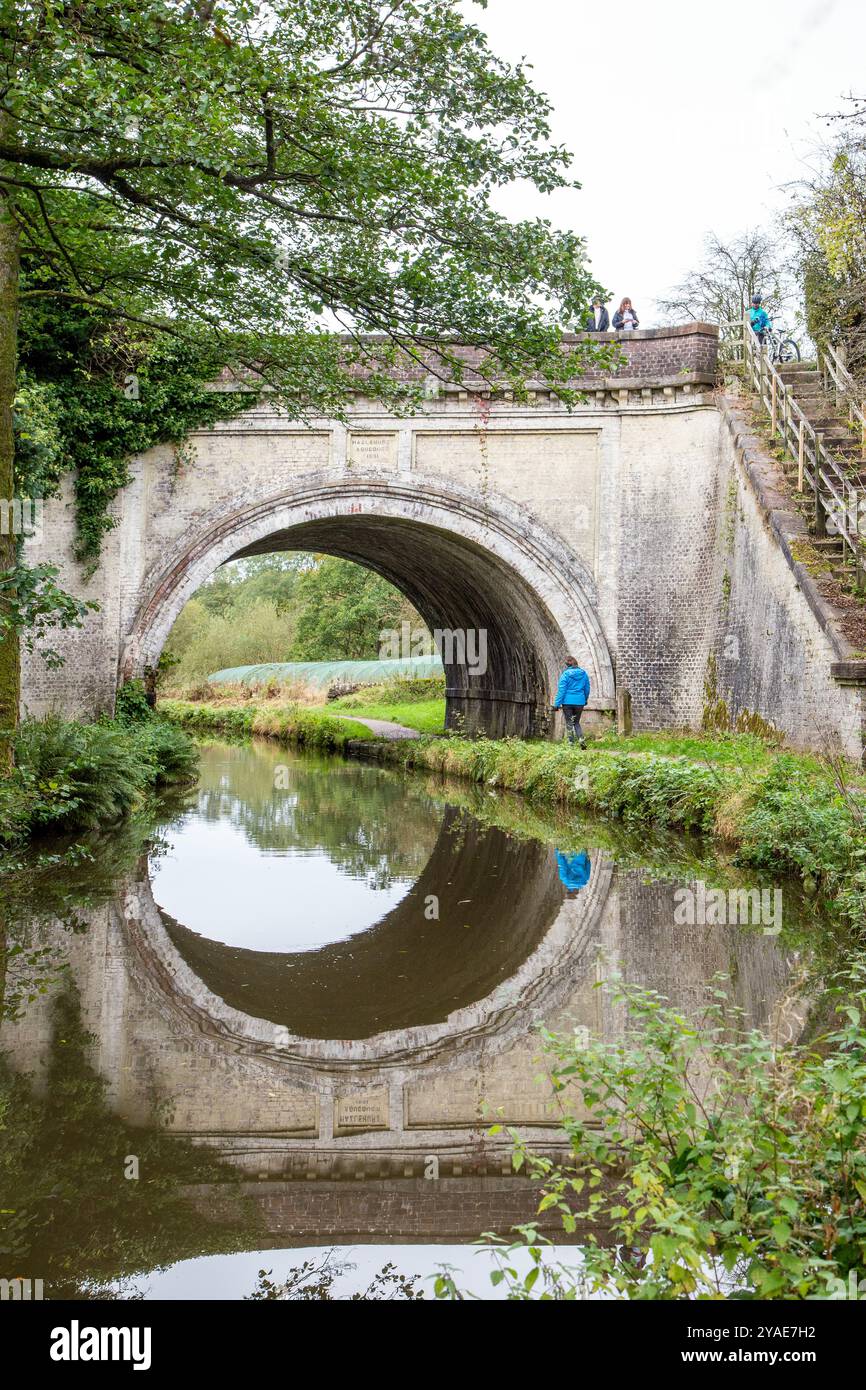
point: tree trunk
(10, 666)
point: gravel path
(383, 727)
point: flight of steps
(831, 420)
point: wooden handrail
(834, 367)
(835, 495)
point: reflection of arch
(538, 970)
(465, 562)
(496, 898)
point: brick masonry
(779, 644)
(409, 1210)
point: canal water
(276, 1025)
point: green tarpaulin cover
(323, 674)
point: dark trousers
(572, 721)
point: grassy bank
(418, 703)
(772, 810)
(286, 723)
(72, 776)
(427, 716)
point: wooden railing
(732, 340)
(838, 381)
(839, 503)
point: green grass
(743, 750)
(286, 723)
(768, 808)
(427, 716)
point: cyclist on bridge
(759, 319)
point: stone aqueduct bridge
(607, 531)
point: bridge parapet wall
(687, 351)
(683, 353)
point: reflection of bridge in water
(284, 1103)
(341, 1075)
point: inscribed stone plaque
(361, 1110)
(377, 451)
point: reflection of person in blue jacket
(574, 870)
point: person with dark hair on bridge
(572, 694)
(625, 318)
(598, 320)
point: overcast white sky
(682, 117)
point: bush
(71, 776)
(706, 1161)
(402, 690)
(286, 723)
(132, 704)
(261, 633)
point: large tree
(719, 288)
(342, 608)
(256, 175)
(827, 222)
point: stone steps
(845, 447)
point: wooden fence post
(820, 514)
(773, 405)
(623, 712)
(760, 379)
(801, 454)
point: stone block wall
(776, 637)
(409, 1210)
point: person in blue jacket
(572, 694)
(574, 870)
(759, 318)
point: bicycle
(781, 349)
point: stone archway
(467, 563)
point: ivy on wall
(93, 394)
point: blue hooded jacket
(574, 869)
(573, 688)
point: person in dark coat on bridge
(598, 321)
(572, 694)
(574, 870)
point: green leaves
(711, 1165)
(32, 604)
(827, 224)
(245, 174)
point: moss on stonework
(805, 553)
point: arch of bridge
(469, 563)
